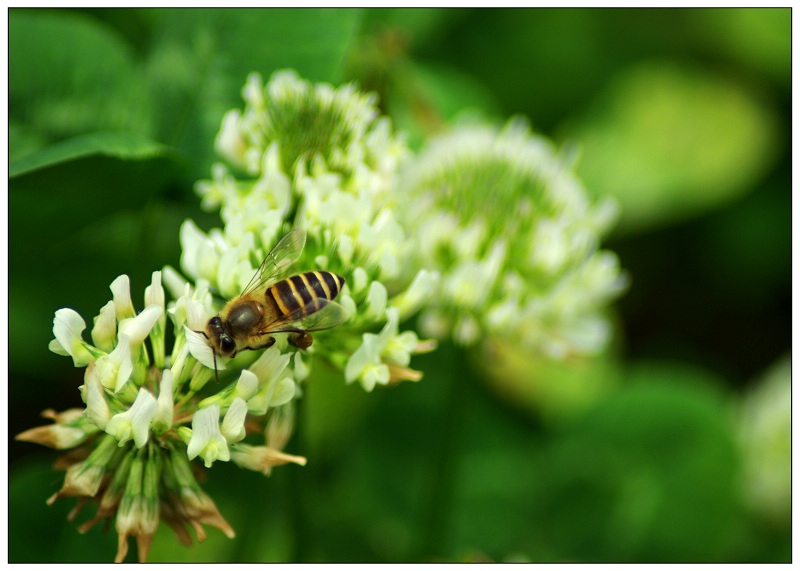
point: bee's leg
(216, 371)
(269, 342)
(301, 340)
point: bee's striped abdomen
(299, 293)
(323, 284)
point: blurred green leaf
(119, 145)
(82, 223)
(81, 79)
(649, 475)
(430, 96)
(671, 142)
(758, 37)
(86, 77)
(555, 391)
(748, 252)
(39, 533)
(415, 26)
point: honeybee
(296, 305)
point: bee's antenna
(213, 352)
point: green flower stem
(186, 398)
(437, 509)
(298, 486)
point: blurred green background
(640, 454)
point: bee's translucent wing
(315, 316)
(283, 255)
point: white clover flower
(339, 193)
(514, 237)
(262, 458)
(233, 423)
(278, 391)
(319, 159)
(121, 292)
(301, 369)
(68, 326)
(764, 436)
(134, 423)
(410, 300)
(369, 364)
(136, 329)
(246, 386)
(162, 419)
(104, 332)
(207, 440)
(200, 257)
(97, 409)
(229, 142)
(70, 429)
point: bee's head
(221, 342)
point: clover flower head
(138, 401)
(297, 156)
(514, 239)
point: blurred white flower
(765, 438)
(514, 237)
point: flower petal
(233, 423)
(96, 405)
(68, 326)
(200, 349)
(134, 423)
(139, 327)
(207, 440)
(162, 419)
(104, 332)
(121, 292)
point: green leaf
(649, 475)
(758, 37)
(671, 142)
(40, 533)
(118, 145)
(413, 26)
(69, 74)
(424, 97)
